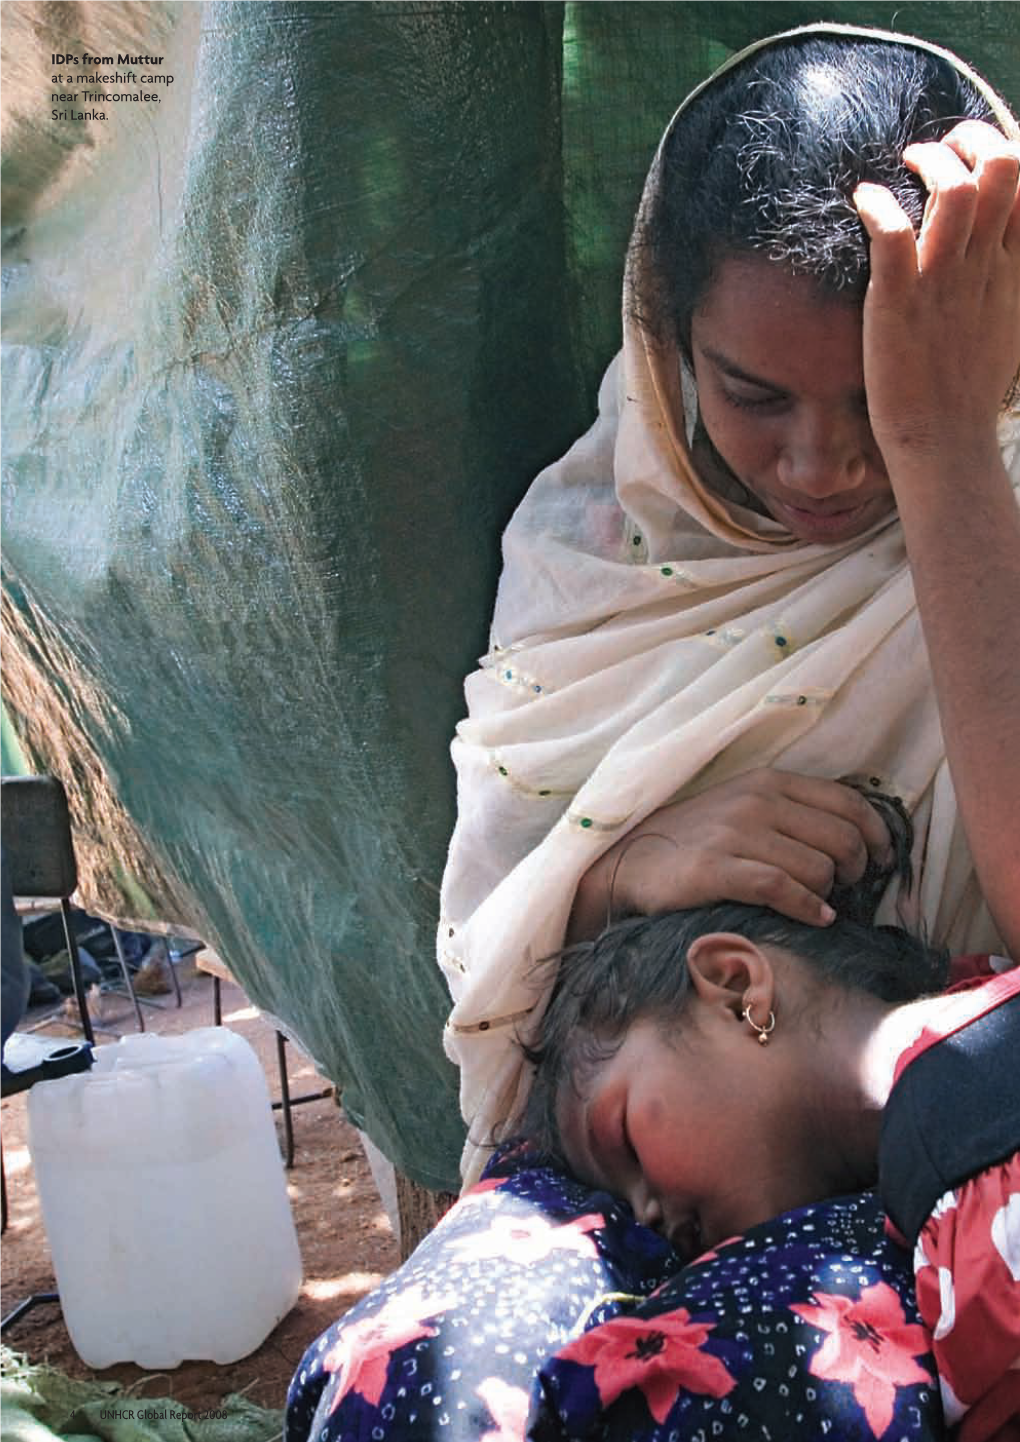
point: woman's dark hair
(767, 158)
(637, 969)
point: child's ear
(729, 971)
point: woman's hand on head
(942, 311)
(768, 838)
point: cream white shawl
(651, 639)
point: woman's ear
(729, 971)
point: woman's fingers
(952, 201)
(975, 141)
(995, 163)
(827, 849)
(834, 818)
(893, 245)
(807, 865)
(758, 884)
(973, 179)
(770, 838)
(1011, 233)
(941, 312)
(783, 838)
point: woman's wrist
(599, 892)
(588, 913)
(940, 467)
(951, 500)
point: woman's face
(780, 374)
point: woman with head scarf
(781, 572)
(785, 557)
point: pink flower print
(661, 1356)
(508, 1408)
(363, 1350)
(530, 1239)
(870, 1345)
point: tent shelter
(283, 346)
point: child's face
(691, 1131)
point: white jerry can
(164, 1201)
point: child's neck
(901, 1026)
(863, 1042)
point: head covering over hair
(651, 639)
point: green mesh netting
(281, 352)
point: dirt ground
(347, 1244)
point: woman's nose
(821, 458)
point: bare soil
(347, 1244)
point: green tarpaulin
(282, 348)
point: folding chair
(39, 854)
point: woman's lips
(821, 525)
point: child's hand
(768, 838)
(942, 311)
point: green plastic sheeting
(281, 352)
(12, 757)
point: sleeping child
(719, 1066)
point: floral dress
(540, 1309)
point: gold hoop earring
(763, 1032)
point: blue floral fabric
(539, 1309)
(450, 1345)
(805, 1327)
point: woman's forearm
(590, 911)
(962, 528)
(941, 322)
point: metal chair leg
(173, 974)
(126, 974)
(26, 1306)
(286, 1102)
(79, 985)
(288, 1124)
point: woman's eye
(760, 403)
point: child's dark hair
(637, 968)
(767, 158)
